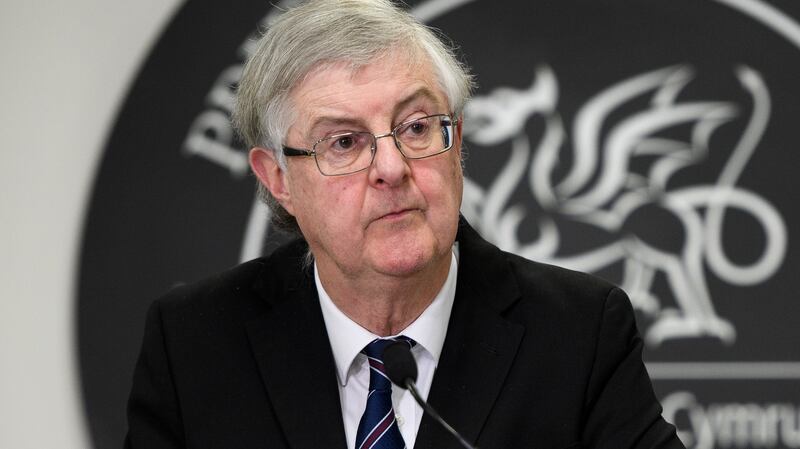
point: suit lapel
(479, 348)
(291, 347)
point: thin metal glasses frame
(293, 152)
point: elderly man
(353, 113)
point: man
(353, 113)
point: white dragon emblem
(600, 189)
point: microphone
(402, 371)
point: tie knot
(374, 350)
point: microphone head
(399, 363)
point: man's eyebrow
(422, 92)
(330, 121)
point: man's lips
(397, 214)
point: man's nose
(389, 166)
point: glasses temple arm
(288, 151)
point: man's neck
(384, 304)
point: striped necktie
(378, 428)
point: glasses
(351, 152)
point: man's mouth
(397, 214)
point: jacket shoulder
(245, 287)
(551, 280)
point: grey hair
(324, 32)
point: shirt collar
(348, 338)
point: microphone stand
(411, 387)
(401, 368)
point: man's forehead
(338, 91)
(421, 96)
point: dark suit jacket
(535, 357)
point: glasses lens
(425, 136)
(344, 153)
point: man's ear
(265, 165)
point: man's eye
(419, 127)
(345, 142)
(416, 128)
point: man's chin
(404, 259)
(400, 269)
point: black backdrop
(651, 142)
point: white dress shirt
(348, 339)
